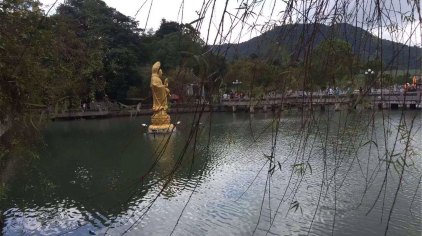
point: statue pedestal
(160, 123)
(161, 129)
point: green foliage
(167, 27)
(42, 60)
(85, 51)
(133, 92)
(257, 76)
(116, 37)
(174, 45)
(294, 76)
(333, 61)
(376, 65)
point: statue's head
(160, 73)
(156, 67)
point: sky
(150, 12)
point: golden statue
(160, 120)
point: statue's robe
(159, 92)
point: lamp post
(369, 73)
(237, 83)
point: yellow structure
(160, 120)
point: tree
(43, 59)
(257, 76)
(167, 27)
(332, 62)
(118, 38)
(174, 45)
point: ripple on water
(58, 217)
(214, 208)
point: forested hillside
(295, 38)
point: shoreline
(76, 115)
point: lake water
(328, 175)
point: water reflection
(164, 153)
(102, 175)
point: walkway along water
(393, 100)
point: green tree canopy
(333, 61)
(43, 59)
(116, 36)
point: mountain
(295, 39)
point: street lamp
(237, 83)
(369, 73)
